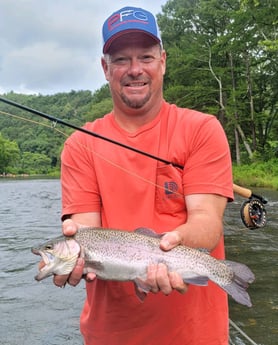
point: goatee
(135, 103)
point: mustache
(129, 80)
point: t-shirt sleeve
(208, 167)
(80, 192)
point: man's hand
(69, 229)
(160, 279)
(158, 276)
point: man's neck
(136, 118)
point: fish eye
(48, 246)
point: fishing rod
(253, 213)
(84, 130)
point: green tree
(34, 163)
(217, 63)
(35, 135)
(9, 154)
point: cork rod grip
(244, 192)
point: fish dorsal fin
(147, 232)
(204, 250)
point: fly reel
(253, 213)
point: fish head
(59, 256)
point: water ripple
(42, 314)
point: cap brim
(112, 39)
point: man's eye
(147, 59)
(124, 61)
(120, 61)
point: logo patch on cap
(125, 17)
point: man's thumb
(170, 240)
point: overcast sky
(50, 46)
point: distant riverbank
(259, 174)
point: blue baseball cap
(129, 19)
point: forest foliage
(222, 58)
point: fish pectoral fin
(141, 289)
(140, 294)
(142, 285)
(198, 280)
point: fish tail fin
(243, 276)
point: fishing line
(242, 332)
(53, 127)
(34, 122)
(81, 129)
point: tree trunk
(222, 109)
(251, 101)
(245, 142)
(238, 161)
(237, 148)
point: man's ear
(105, 67)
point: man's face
(135, 67)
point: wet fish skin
(124, 256)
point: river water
(42, 314)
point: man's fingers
(177, 282)
(158, 279)
(77, 273)
(69, 227)
(163, 280)
(90, 277)
(151, 278)
(72, 279)
(60, 280)
(169, 241)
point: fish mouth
(47, 258)
(46, 266)
(35, 251)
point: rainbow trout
(124, 256)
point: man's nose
(135, 66)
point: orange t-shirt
(131, 190)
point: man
(110, 186)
